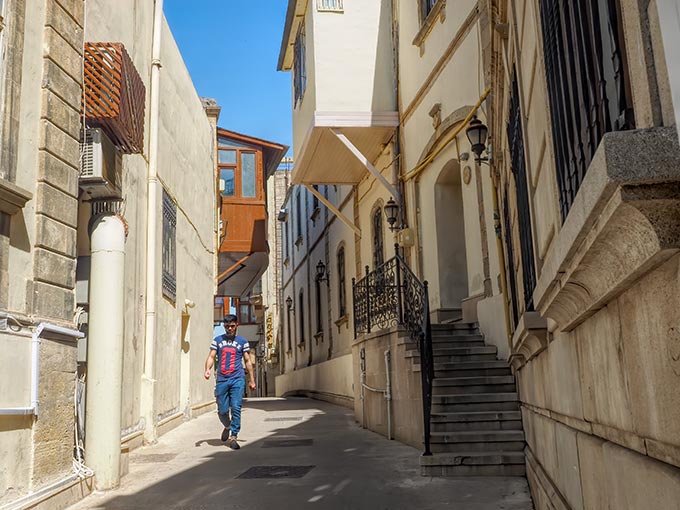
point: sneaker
(225, 435)
(233, 444)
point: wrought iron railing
(392, 295)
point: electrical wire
(79, 467)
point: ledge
(530, 339)
(624, 222)
(12, 197)
(342, 321)
(438, 11)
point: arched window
(342, 296)
(378, 244)
(319, 320)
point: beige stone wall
(370, 407)
(41, 89)
(598, 409)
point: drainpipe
(388, 394)
(105, 350)
(35, 367)
(148, 380)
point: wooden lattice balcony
(114, 95)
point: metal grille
(511, 260)
(342, 301)
(299, 65)
(587, 84)
(276, 472)
(114, 95)
(169, 247)
(378, 245)
(516, 144)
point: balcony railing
(392, 295)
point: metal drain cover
(153, 457)
(285, 418)
(278, 443)
(276, 472)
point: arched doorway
(451, 252)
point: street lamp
(321, 274)
(289, 303)
(477, 133)
(391, 213)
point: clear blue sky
(231, 48)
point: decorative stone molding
(624, 222)
(529, 340)
(438, 11)
(445, 126)
(12, 197)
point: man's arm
(249, 369)
(209, 362)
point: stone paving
(295, 453)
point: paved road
(296, 453)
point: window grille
(516, 145)
(319, 319)
(299, 66)
(588, 88)
(298, 214)
(301, 315)
(342, 299)
(169, 247)
(288, 328)
(511, 260)
(329, 5)
(378, 247)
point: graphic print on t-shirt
(229, 356)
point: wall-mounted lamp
(321, 274)
(391, 209)
(283, 215)
(477, 133)
(289, 303)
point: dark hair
(230, 317)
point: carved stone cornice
(530, 339)
(12, 197)
(625, 221)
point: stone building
(553, 247)
(108, 261)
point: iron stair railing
(392, 295)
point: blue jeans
(229, 395)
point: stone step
(457, 341)
(452, 326)
(475, 402)
(477, 441)
(440, 350)
(472, 368)
(499, 420)
(459, 385)
(493, 463)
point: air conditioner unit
(100, 166)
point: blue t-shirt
(229, 355)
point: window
(301, 315)
(286, 240)
(246, 313)
(169, 246)
(518, 166)
(5, 220)
(315, 200)
(288, 328)
(319, 320)
(298, 214)
(299, 66)
(342, 300)
(238, 169)
(378, 248)
(425, 7)
(329, 5)
(588, 89)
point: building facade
(552, 240)
(108, 260)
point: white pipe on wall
(148, 378)
(35, 367)
(105, 350)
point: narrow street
(306, 451)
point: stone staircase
(476, 425)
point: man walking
(229, 349)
